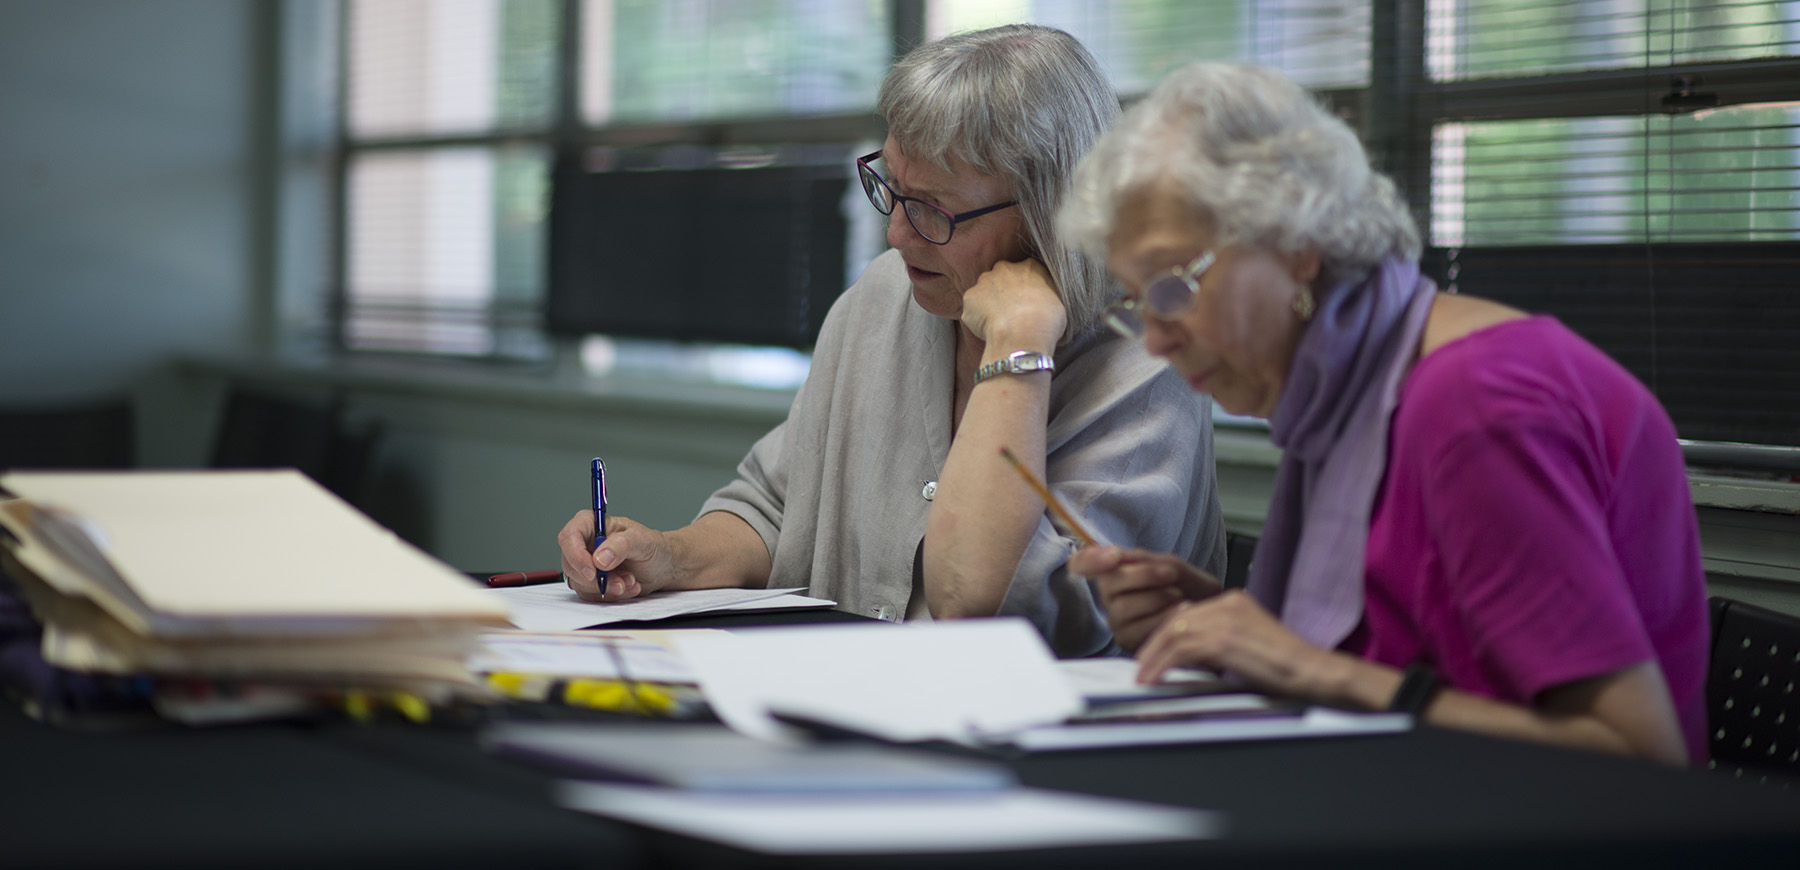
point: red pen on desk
(522, 578)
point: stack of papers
(248, 575)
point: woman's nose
(900, 232)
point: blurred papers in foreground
(240, 575)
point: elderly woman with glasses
(884, 489)
(1478, 517)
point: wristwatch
(1019, 362)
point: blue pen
(599, 493)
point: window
(1631, 166)
(468, 122)
(448, 105)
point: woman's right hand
(638, 558)
(1140, 588)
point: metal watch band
(1019, 362)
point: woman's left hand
(1016, 303)
(1232, 632)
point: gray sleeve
(758, 494)
(1141, 475)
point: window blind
(449, 107)
(1319, 43)
(649, 61)
(1472, 39)
(1633, 168)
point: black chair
(1753, 693)
(96, 436)
(261, 430)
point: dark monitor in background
(751, 256)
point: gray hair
(1259, 157)
(1022, 103)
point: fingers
(581, 565)
(1232, 632)
(573, 543)
(1175, 641)
(626, 541)
(1095, 561)
(1119, 571)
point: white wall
(125, 206)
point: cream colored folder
(177, 554)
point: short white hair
(1023, 103)
(1259, 158)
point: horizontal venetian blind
(1321, 44)
(449, 107)
(1585, 163)
(1473, 39)
(660, 61)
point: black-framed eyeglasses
(933, 224)
(1166, 297)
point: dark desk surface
(396, 795)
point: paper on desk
(884, 824)
(1102, 680)
(947, 680)
(644, 655)
(1314, 722)
(792, 601)
(555, 607)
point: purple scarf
(1332, 425)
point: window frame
(1394, 114)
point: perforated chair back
(1753, 693)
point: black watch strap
(1418, 686)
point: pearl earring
(1303, 304)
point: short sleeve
(1517, 517)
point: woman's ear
(1305, 266)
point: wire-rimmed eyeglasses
(933, 224)
(1166, 297)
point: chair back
(1753, 693)
(266, 431)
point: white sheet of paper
(919, 681)
(555, 607)
(794, 600)
(884, 824)
(1115, 679)
(579, 654)
(1315, 722)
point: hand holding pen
(608, 557)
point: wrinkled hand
(1232, 632)
(1140, 588)
(637, 556)
(1015, 302)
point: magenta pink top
(1534, 526)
